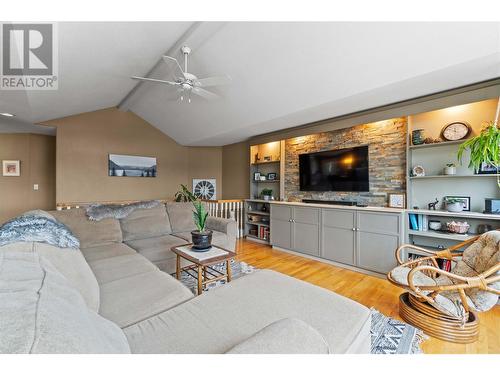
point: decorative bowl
(458, 227)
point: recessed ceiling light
(6, 114)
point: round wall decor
(205, 188)
(456, 131)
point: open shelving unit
(257, 220)
(435, 184)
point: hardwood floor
(367, 290)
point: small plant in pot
(202, 238)
(454, 205)
(267, 194)
(450, 169)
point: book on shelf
(419, 222)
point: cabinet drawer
(377, 222)
(339, 218)
(306, 215)
(281, 212)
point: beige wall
(236, 170)
(206, 162)
(476, 114)
(85, 140)
(37, 155)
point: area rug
(238, 269)
(389, 336)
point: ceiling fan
(187, 83)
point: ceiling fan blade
(204, 93)
(174, 67)
(213, 81)
(155, 80)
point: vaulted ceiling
(283, 74)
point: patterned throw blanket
(37, 227)
(98, 212)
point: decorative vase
(455, 207)
(266, 197)
(450, 171)
(202, 241)
(417, 136)
(434, 225)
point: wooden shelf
(258, 223)
(452, 176)
(258, 213)
(440, 144)
(266, 162)
(463, 214)
(433, 234)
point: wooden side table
(200, 269)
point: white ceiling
(283, 74)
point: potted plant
(184, 195)
(484, 148)
(202, 238)
(454, 204)
(450, 169)
(267, 194)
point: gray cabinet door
(305, 230)
(378, 236)
(281, 212)
(281, 233)
(376, 251)
(338, 236)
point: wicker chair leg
(436, 324)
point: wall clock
(455, 131)
(205, 188)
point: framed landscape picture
(11, 168)
(131, 166)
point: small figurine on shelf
(432, 205)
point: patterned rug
(238, 269)
(389, 336)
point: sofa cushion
(90, 233)
(286, 336)
(70, 263)
(119, 267)
(145, 223)
(156, 248)
(226, 316)
(40, 312)
(92, 254)
(181, 216)
(132, 299)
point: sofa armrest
(286, 336)
(227, 226)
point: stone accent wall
(387, 160)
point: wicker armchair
(442, 303)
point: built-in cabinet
(297, 228)
(358, 238)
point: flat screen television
(336, 170)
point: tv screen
(335, 170)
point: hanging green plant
(484, 148)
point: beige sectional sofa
(149, 232)
(114, 298)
